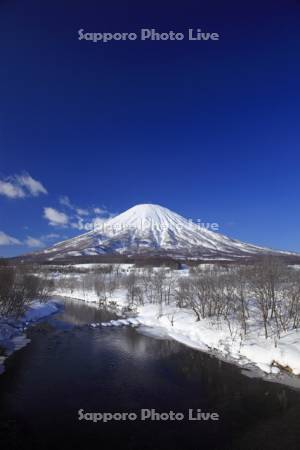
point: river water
(69, 366)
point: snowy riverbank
(12, 331)
(271, 356)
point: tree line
(267, 292)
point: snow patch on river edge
(12, 336)
(275, 360)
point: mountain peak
(147, 209)
(147, 215)
(149, 228)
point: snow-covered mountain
(153, 229)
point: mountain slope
(153, 229)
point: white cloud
(40, 241)
(83, 219)
(30, 241)
(33, 242)
(55, 217)
(78, 223)
(5, 239)
(20, 186)
(51, 236)
(100, 211)
(88, 224)
(65, 201)
(11, 190)
(34, 187)
(82, 212)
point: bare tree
(18, 288)
(133, 290)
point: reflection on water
(77, 312)
(67, 368)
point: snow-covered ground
(272, 357)
(12, 336)
(275, 357)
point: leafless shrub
(18, 288)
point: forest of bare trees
(19, 287)
(268, 289)
(266, 292)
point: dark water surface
(68, 367)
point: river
(69, 366)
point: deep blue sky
(208, 129)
